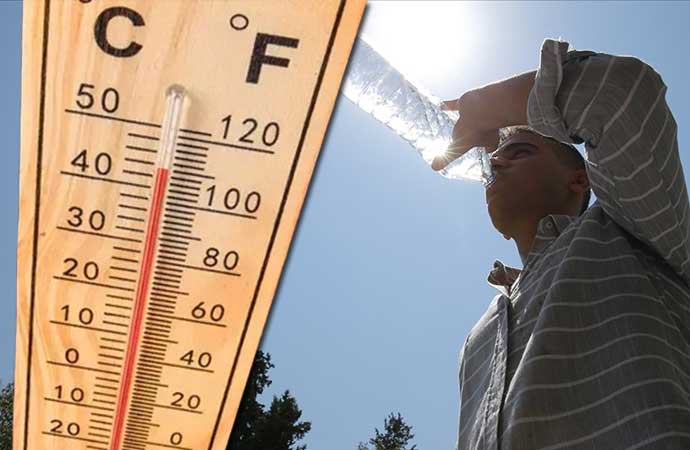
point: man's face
(531, 182)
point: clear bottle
(374, 85)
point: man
(588, 346)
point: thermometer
(166, 149)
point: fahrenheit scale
(166, 150)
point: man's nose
(498, 163)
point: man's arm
(616, 106)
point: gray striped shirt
(588, 347)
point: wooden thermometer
(167, 146)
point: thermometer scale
(166, 150)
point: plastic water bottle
(374, 85)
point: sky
(387, 269)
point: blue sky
(387, 269)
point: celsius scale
(166, 149)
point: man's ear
(579, 181)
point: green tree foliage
(6, 396)
(396, 436)
(250, 410)
(255, 428)
(278, 428)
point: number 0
(112, 104)
(176, 438)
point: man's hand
(483, 111)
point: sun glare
(425, 40)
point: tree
(276, 429)
(250, 410)
(6, 396)
(397, 435)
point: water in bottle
(374, 85)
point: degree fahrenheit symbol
(259, 56)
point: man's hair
(567, 154)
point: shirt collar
(502, 277)
(549, 228)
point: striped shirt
(588, 346)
